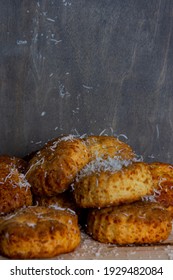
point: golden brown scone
(13, 161)
(107, 187)
(136, 223)
(38, 232)
(108, 146)
(14, 189)
(54, 167)
(162, 174)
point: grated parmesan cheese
(57, 207)
(29, 224)
(64, 138)
(99, 164)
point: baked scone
(38, 232)
(162, 174)
(106, 186)
(54, 167)
(15, 191)
(108, 146)
(136, 223)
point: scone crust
(54, 167)
(108, 146)
(38, 232)
(136, 223)
(107, 188)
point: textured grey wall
(87, 66)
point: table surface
(91, 249)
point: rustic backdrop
(87, 66)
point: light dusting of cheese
(41, 159)
(10, 174)
(70, 137)
(29, 224)
(10, 216)
(169, 251)
(152, 197)
(16, 179)
(99, 164)
(57, 207)
(23, 183)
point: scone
(38, 232)
(107, 187)
(54, 167)
(136, 223)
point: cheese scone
(135, 223)
(38, 232)
(106, 186)
(54, 167)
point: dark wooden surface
(87, 66)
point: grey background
(87, 66)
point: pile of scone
(95, 183)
